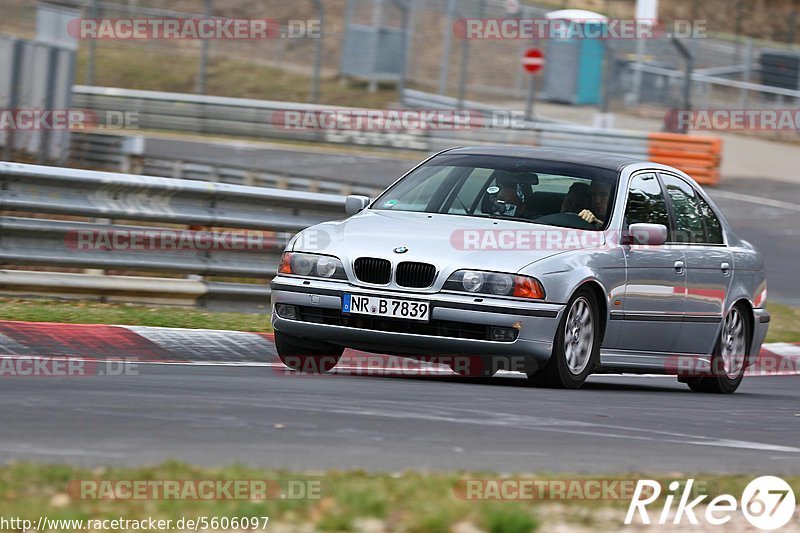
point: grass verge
(155, 69)
(334, 501)
(785, 325)
(83, 312)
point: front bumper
(536, 322)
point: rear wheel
(577, 345)
(730, 355)
(305, 356)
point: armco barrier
(698, 156)
(166, 203)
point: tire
(576, 349)
(306, 357)
(730, 353)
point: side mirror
(355, 203)
(645, 235)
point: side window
(689, 226)
(646, 204)
(713, 226)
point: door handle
(679, 266)
(725, 267)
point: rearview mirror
(355, 203)
(646, 235)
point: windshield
(515, 188)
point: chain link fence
(746, 59)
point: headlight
(472, 281)
(302, 264)
(496, 283)
(501, 284)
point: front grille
(435, 328)
(415, 275)
(373, 270)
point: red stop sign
(533, 60)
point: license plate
(388, 307)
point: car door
(709, 265)
(653, 303)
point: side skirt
(624, 361)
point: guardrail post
(318, 52)
(90, 60)
(748, 72)
(200, 87)
(132, 161)
(13, 97)
(444, 66)
(687, 76)
(97, 271)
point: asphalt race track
(215, 397)
(259, 416)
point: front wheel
(730, 355)
(310, 358)
(577, 345)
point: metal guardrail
(228, 116)
(262, 118)
(255, 117)
(716, 80)
(38, 191)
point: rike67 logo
(767, 502)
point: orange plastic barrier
(700, 157)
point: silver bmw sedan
(558, 264)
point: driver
(601, 191)
(577, 198)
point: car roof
(579, 157)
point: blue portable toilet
(573, 72)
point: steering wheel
(570, 220)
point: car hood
(450, 242)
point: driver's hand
(589, 217)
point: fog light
(503, 334)
(286, 311)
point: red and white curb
(215, 347)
